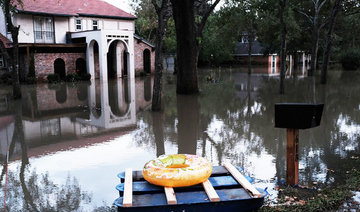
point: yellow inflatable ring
(177, 170)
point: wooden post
(292, 156)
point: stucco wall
(63, 25)
(2, 23)
(103, 23)
(44, 62)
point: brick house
(66, 36)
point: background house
(66, 36)
(258, 57)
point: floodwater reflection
(79, 144)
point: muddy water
(65, 143)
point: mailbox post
(295, 116)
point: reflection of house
(96, 111)
(271, 61)
(65, 36)
(6, 43)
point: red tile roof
(6, 42)
(98, 8)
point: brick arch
(59, 68)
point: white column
(103, 48)
(118, 60)
(105, 113)
(304, 58)
(131, 63)
(90, 67)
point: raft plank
(242, 180)
(170, 195)
(127, 201)
(236, 200)
(218, 182)
(210, 191)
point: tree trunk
(186, 46)
(315, 46)
(15, 45)
(249, 53)
(328, 44)
(163, 17)
(283, 46)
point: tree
(317, 22)
(146, 21)
(283, 45)
(163, 11)
(14, 60)
(190, 17)
(328, 44)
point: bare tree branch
(205, 17)
(310, 18)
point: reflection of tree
(188, 116)
(37, 193)
(241, 110)
(158, 130)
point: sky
(122, 4)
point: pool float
(177, 170)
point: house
(6, 42)
(67, 36)
(270, 63)
(258, 57)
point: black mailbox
(298, 115)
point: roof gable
(98, 8)
(5, 41)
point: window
(2, 62)
(43, 30)
(95, 24)
(78, 24)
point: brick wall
(138, 57)
(44, 62)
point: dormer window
(43, 29)
(95, 24)
(244, 39)
(78, 24)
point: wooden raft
(170, 193)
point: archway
(82, 92)
(147, 88)
(80, 65)
(61, 94)
(125, 63)
(111, 60)
(59, 68)
(118, 105)
(147, 61)
(93, 57)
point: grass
(322, 199)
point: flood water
(66, 143)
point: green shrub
(6, 78)
(72, 77)
(350, 59)
(85, 77)
(53, 78)
(31, 80)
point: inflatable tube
(177, 170)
